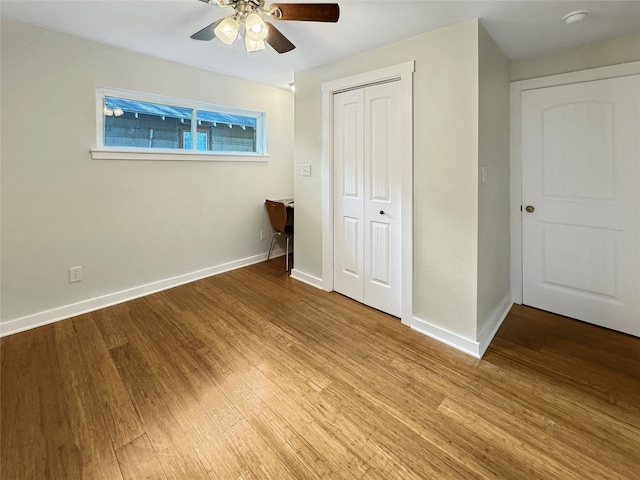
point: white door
(367, 229)
(348, 167)
(581, 177)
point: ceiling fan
(257, 31)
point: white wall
(128, 223)
(445, 169)
(493, 196)
(612, 52)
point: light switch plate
(306, 170)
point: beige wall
(619, 50)
(128, 223)
(445, 169)
(493, 195)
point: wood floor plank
(213, 451)
(187, 349)
(556, 330)
(252, 406)
(538, 421)
(520, 456)
(276, 427)
(570, 410)
(21, 443)
(618, 395)
(349, 380)
(257, 455)
(544, 442)
(251, 374)
(112, 334)
(175, 383)
(138, 461)
(116, 407)
(337, 425)
(173, 450)
(80, 425)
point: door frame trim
(515, 182)
(403, 73)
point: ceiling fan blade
(207, 33)
(310, 12)
(277, 40)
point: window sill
(133, 154)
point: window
(202, 139)
(140, 126)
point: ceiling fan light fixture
(255, 27)
(253, 45)
(248, 21)
(227, 30)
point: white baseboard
(277, 251)
(306, 278)
(92, 304)
(491, 327)
(470, 347)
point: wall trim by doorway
(404, 74)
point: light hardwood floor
(253, 375)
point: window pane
(203, 140)
(227, 133)
(152, 122)
(131, 123)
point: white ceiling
(162, 28)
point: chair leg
(271, 246)
(287, 263)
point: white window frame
(102, 152)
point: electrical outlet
(263, 234)
(75, 274)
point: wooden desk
(287, 201)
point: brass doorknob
(530, 209)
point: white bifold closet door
(367, 200)
(580, 191)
